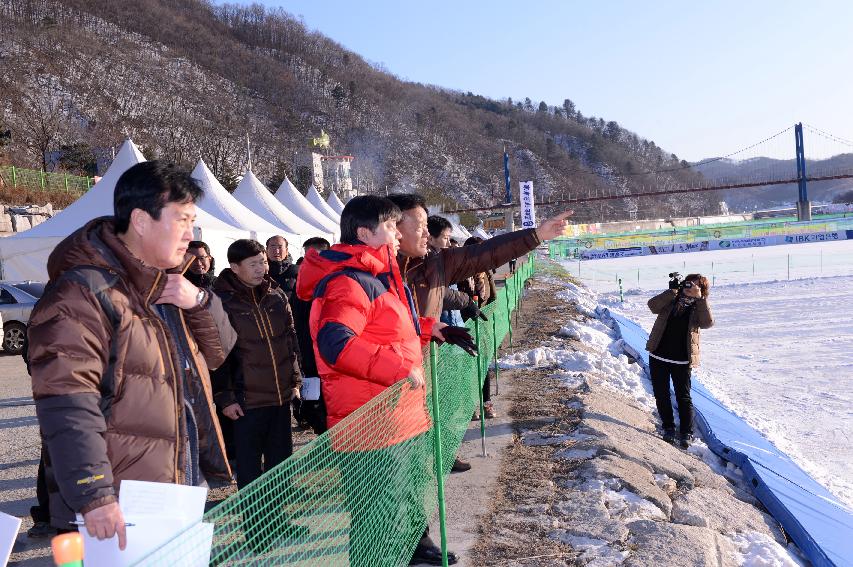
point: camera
(675, 280)
(677, 283)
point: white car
(17, 300)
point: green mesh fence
(363, 492)
(41, 180)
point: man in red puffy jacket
(368, 338)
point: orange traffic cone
(68, 549)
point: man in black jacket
(282, 268)
(307, 412)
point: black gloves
(674, 284)
(471, 310)
(460, 337)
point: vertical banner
(508, 195)
(528, 214)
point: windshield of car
(36, 289)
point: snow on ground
(758, 550)
(778, 355)
(792, 261)
(607, 361)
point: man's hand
(553, 227)
(471, 311)
(106, 521)
(460, 337)
(179, 292)
(296, 394)
(436, 331)
(234, 411)
(416, 377)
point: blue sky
(700, 79)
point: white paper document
(158, 512)
(9, 526)
(310, 388)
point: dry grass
(28, 196)
(513, 533)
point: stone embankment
(18, 218)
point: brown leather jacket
(110, 400)
(700, 318)
(482, 285)
(429, 276)
(263, 368)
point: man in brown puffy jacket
(120, 345)
(261, 376)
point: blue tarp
(820, 525)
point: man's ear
(363, 233)
(140, 221)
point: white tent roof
(289, 196)
(24, 255)
(257, 198)
(479, 231)
(96, 202)
(334, 202)
(221, 204)
(315, 199)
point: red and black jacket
(365, 329)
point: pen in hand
(76, 523)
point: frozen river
(781, 352)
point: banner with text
(528, 214)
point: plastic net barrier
(363, 492)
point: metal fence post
(495, 347)
(42, 179)
(508, 313)
(14, 177)
(480, 382)
(439, 476)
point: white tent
(315, 199)
(334, 202)
(479, 231)
(289, 196)
(459, 232)
(257, 198)
(23, 256)
(221, 204)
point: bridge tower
(804, 207)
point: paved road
(19, 457)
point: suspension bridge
(814, 163)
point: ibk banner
(528, 214)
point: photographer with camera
(674, 348)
